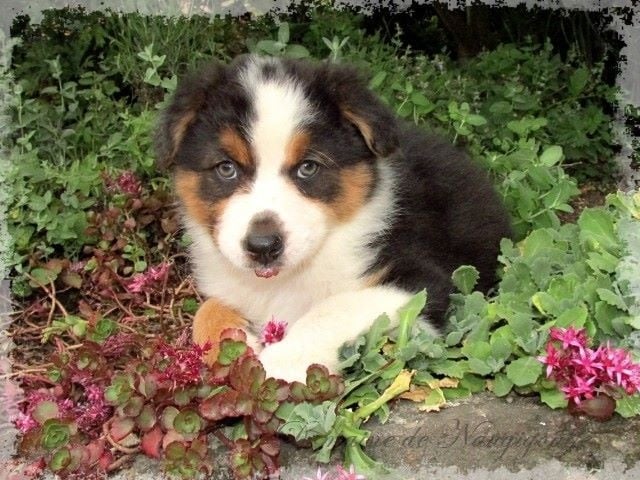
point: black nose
(264, 241)
(264, 248)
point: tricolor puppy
(308, 201)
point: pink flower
(142, 282)
(319, 476)
(569, 336)
(25, 422)
(183, 366)
(93, 412)
(553, 360)
(128, 183)
(273, 332)
(579, 389)
(582, 372)
(350, 475)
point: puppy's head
(271, 155)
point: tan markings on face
(211, 319)
(235, 146)
(187, 185)
(355, 184)
(179, 129)
(363, 126)
(295, 149)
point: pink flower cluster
(93, 411)
(87, 413)
(273, 332)
(128, 183)
(340, 474)
(583, 372)
(184, 366)
(142, 282)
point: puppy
(309, 202)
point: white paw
(290, 362)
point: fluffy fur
(307, 200)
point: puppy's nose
(264, 242)
(264, 248)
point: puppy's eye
(227, 170)
(307, 169)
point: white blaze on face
(280, 109)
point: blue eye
(307, 169)
(227, 170)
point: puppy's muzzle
(264, 245)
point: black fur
(448, 215)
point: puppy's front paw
(284, 363)
(289, 361)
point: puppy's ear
(181, 112)
(363, 108)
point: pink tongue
(267, 272)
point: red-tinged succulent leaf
(218, 374)
(120, 427)
(60, 460)
(148, 386)
(175, 451)
(183, 396)
(45, 410)
(172, 437)
(298, 392)
(95, 450)
(187, 422)
(270, 445)
(147, 418)
(241, 460)
(230, 350)
(247, 375)
(79, 457)
(234, 334)
(321, 385)
(227, 404)
(151, 442)
(167, 417)
(106, 459)
(72, 279)
(200, 446)
(600, 407)
(131, 440)
(132, 407)
(29, 442)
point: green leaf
(574, 317)
(60, 460)
(465, 278)
(524, 371)
(502, 385)
(578, 81)
(230, 350)
(306, 421)
(612, 299)
(628, 406)
(408, 315)
(283, 33)
(553, 398)
(597, 230)
(551, 155)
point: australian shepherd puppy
(308, 201)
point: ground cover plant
(103, 299)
